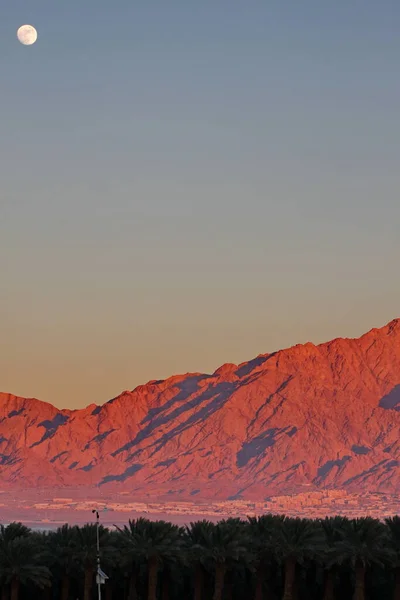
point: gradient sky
(187, 183)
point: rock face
(308, 417)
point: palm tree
(365, 542)
(393, 525)
(334, 529)
(86, 540)
(152, 541)
(41, 542)
(262, 533)
(225, 545)
(63, 545)
(118, 567)
(128, 543)
(14, 530)
(7, 534)
(20, 564)
(297, 540)
(198, 537)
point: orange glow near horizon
(89, 365)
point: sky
(185, 184)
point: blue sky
(189, 183)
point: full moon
(27, 35)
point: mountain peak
(308, 417)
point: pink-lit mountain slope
(304, 418)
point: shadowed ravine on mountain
(308, 417)
(392, 400)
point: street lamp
(101, 577)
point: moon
(27, 35)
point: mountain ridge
(306, 417)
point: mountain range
(304, 418)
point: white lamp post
(101, 577)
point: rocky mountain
(304, 418)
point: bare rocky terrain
(303, 419)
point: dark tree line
(264, 558)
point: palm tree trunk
(329, 589)
(152, 584)
(198, 582)
(14, 588)
(165, 587)
(228, 590)
(126, 587)
(64, 587)
(87, 590)
(47, 593)
(259, 584)
(359, 588)
(132, 592)
(396, 593)
(220, 570)
(290, 575)
(108, 591)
